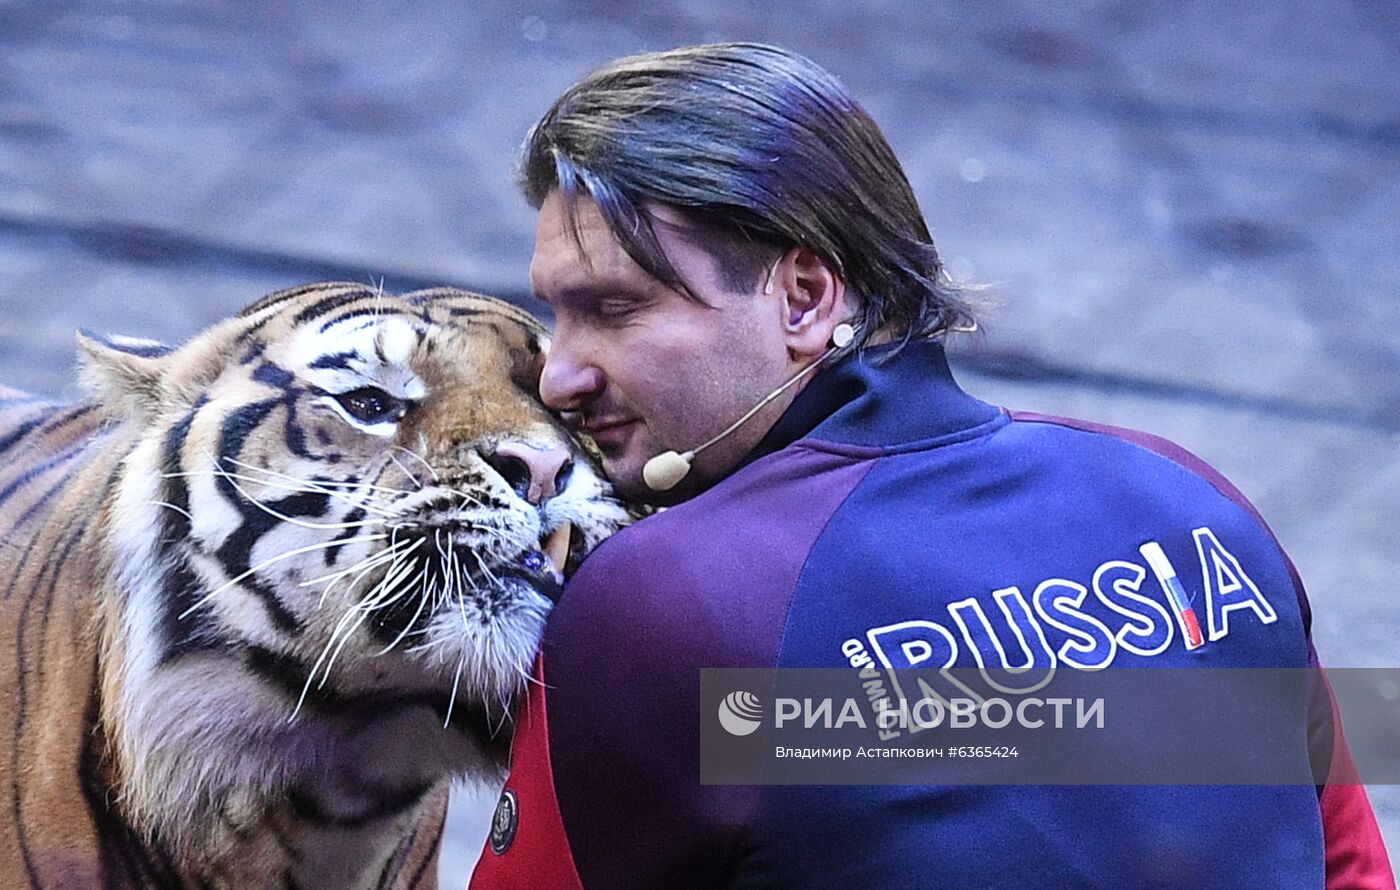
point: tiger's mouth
(557, 556)
(545, 567)
(449, 568)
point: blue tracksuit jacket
(888, 507)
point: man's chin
(625, 473)
(629, 485)
(624, 463)
(627, 481)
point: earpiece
(772, 273)
(665, 471)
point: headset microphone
(666, 470)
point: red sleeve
(1356, 856)
(527, 848)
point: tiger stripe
(184, 710)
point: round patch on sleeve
(505, 821)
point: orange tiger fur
(167, 727)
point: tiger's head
(330, 536)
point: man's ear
(123, 373)
(813, 301)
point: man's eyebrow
(594, 291)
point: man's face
(641, 368)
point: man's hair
(759, 149)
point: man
(709, 220)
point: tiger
(264, 595)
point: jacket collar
(881, 397)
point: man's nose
(567, 384)
(535, 471)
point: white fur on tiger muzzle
(469, 573)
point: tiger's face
(342, 500)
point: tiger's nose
(535, 471)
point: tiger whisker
(453, 569)
(327, 482)
(457, 578)
(356, 494)
(505, 716)
(462, 612)
(444, 564)
(364, 567)
(466, 574)
(484, 570)
(371, 560)
(293, 519)
(468, 497)
(395, 591)
(422, 602)
(390, 579)
(341, 633)
(452, 699)
(304, 488)
(421, 647)
(267, 562)
(416, 456)
(183, 512)
(315, 668)
(406, 471)
(399, 559)
(383, 592)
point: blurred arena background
(1186, 210)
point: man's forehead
(596, 259)
(560, 261)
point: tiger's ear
(123, 373)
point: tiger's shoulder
(42, 444)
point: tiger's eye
(370, 404)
